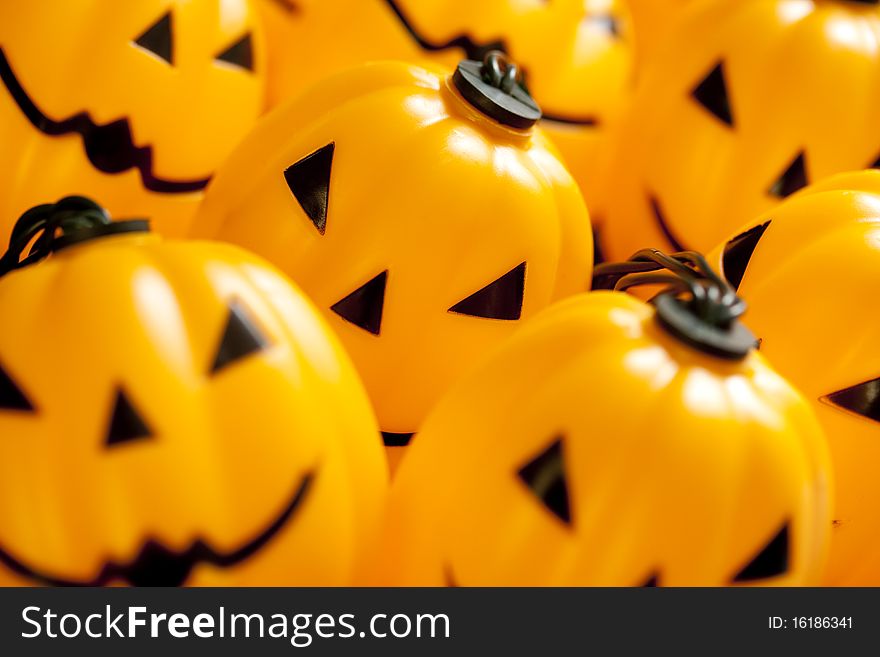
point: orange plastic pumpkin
(652, 20)
(609, 443)
(577, 55)
(747, 102)
(423, 228)
(173, 413)
(810, 270)
(135, 103)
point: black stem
(499, 71)
(687, 274)
(47, 228)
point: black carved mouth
(109, 147)
(477, 51)
(660, 218)
(156, 565)
(396, 439)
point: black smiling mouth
(109, 147)
(156, 565)
(477, 51)
(660, 218)
(396, 439)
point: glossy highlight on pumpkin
(577, 54)
(423, 229)
(594, 448)
(177, 413)
(741, 105)
(809, 270)
(132, 102)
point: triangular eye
(11, 396)
(241, 338)
(501, 299)
(239, 54)
(712, 94)
(876, 163)
(772, 561)
(738, 252)
(363, 307)
(126, 424)
(862, 399)
(793, 179)
(545, 477)
(158, 40)
(309, 181)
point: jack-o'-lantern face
(423, 229)
(594, 449)
(177, 414)
(810, 270)
(132, 102)
(747, 103)
(577, 54)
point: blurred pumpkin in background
(423, 227)
(173, 413)
(747, 102)
(651, 21)
(132, 102)
(577, 55)
(611, 443)
(810, 270)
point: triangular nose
(11, 396)
(545, 477)
(363, 307)
(241, 338)
(652, 581)
(126, 424)
(772, 561)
